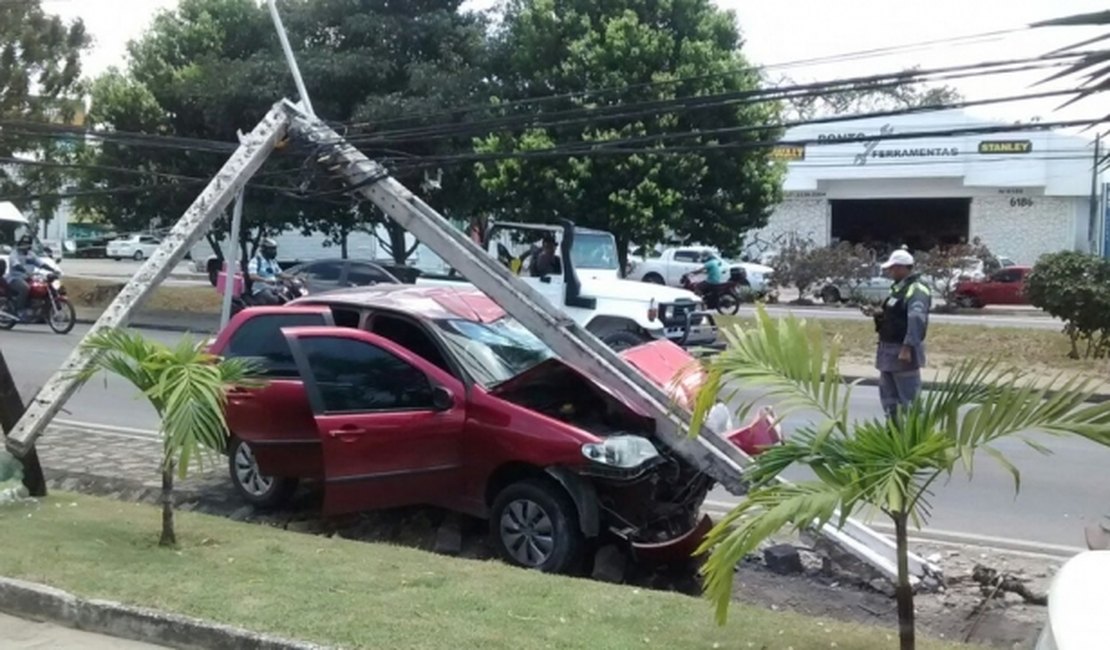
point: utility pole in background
(1093, 225)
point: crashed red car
(398, 395)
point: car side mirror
(442, 399)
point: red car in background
(1004, 287)
(400, 395)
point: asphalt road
(1060, 493)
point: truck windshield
(494, 352)
(594, 250)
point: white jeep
(589, 289)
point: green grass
(1033, 349)
(355, 594)
(98, 294)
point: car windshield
(594, 251)
(494, 352)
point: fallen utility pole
(232, 177)
(708, 451)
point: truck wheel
(621, 340)
(654, 278)
(262, 492)
(533, 524)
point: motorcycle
(726, 298)
(46, 301)
(291, 289)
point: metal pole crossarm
(232, 177)
(709, 452)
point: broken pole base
(11, 409)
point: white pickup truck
(673, 263)
(589, 289)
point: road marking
(952, 538)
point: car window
(358, 376)
(1008, 275)
(361, 275)
(260, 338)
(146, 239)
(685, 256)
(321, 271)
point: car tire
(138, 256)
(654, 278)
(117, 258)
(262, 492)
(534, 524)
(968, 302)
(621, 340)
(830, 295)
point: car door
(683, 262)
(275, 418)
(148, 245)
(998, 287)
(389, 422)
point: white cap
(899, 258)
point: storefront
(1023, 193)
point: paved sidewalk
(869, 375)
(20, 634)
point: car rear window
(260, 338)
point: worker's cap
(899, 258)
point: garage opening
(884, 224)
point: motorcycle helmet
(269, 248)
(24, 244)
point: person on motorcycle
(713, 268)
(265, 275)
(21, 262)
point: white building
(1023, 193)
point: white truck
(674, 263)
(589, 289)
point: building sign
(869, 145)
(840, 137)
(788, 152)
(917, 152)
(1005, 146)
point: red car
(398, 395)
(1004, 287)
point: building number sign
(1021, 202)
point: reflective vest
(895, 319)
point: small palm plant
(866, 466)
(187, 387)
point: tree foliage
(1075, 287)
(945, 266)
(210, 67)
(187, 387)
(871, 465)
(40, 69)
(869, 98)
(630, 48)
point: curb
(157, 327)
(42, 603)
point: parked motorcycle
(46, 302)
(291, 289)
(726, 298)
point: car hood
(635, 291)
(667, 365)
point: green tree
(187, 387)
(870, 465)
(40, 68)
(645, 51)
(210, 67)
(869, 98)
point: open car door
(389, 422)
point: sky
(786, 31)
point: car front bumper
(687, 326)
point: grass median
(92, 295)
(354, 594)
(1033, 349)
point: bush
(1075, 287)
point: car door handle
(239, 395)
(348, 431)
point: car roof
(432, 303)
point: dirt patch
(960, 611)
(95, 295)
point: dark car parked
(328, 275)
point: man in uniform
(901, 324)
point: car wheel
(830, 295)
(621, 340)
(261, 491)
(534, 525)
(117, 258)
(654, 278)
(138, 256)
(968, 302)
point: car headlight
(624, 452)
